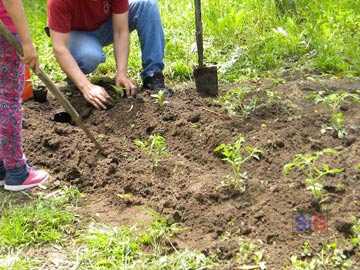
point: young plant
(154, 146)
(355, 233)
(329, 257)
(333, 102)
(160, 99)
(314, 174)
(235, 100)
(233, 154)
(118, 91)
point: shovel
(206, 80)
(51, 86)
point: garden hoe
(52, 87)
(206, 79)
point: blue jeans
(144, 17)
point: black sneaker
(156, 83)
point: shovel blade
(206, 81)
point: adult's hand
(124, 81)
(97, 96)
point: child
(15, 173)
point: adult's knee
(88, 61)
(152, 4)
(148, 5)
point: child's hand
(31, 57)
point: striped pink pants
(11, 88)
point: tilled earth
(184, 186)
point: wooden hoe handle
(51, 86)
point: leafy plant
(127, 247)
(355, 230)
(250, 254)
(160, 99)
(333, 102)
(272, 96)
(235, 100)
(314, 174)
(118, 91)
(329, 257)
(233, 154)
(154, 146)
(158, 230)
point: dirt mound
(183, 187)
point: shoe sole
(23, 187)
(2, 183)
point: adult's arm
(16, 12)
(94, 94)
(121, 50)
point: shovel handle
(51, 86)
(199, 33)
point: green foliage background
(245, 39)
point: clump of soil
(183, 187)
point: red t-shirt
(85, 15)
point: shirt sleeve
(59, 16)
(120, 6)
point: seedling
(272, 96)
(355, 231)
(329, 257)
(233, 154)
(234, 100)
(251, 253)
(314, 174)
(154, 146)
(160, 99)
(118, 91)
(333, 102)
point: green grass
(38, 224)
(42, 221)
(244, 39)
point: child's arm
(16, 12)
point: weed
(233, 154)
(234, 100)
(122, 248)
(108, 247)
(329, 257)
(249, 254)
(333, 102)
(272, 96)
(154, 146)
(314, 174)
(340, 187)
(355, 230)
(158, 230)
(17, 262)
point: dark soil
(183, 186)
